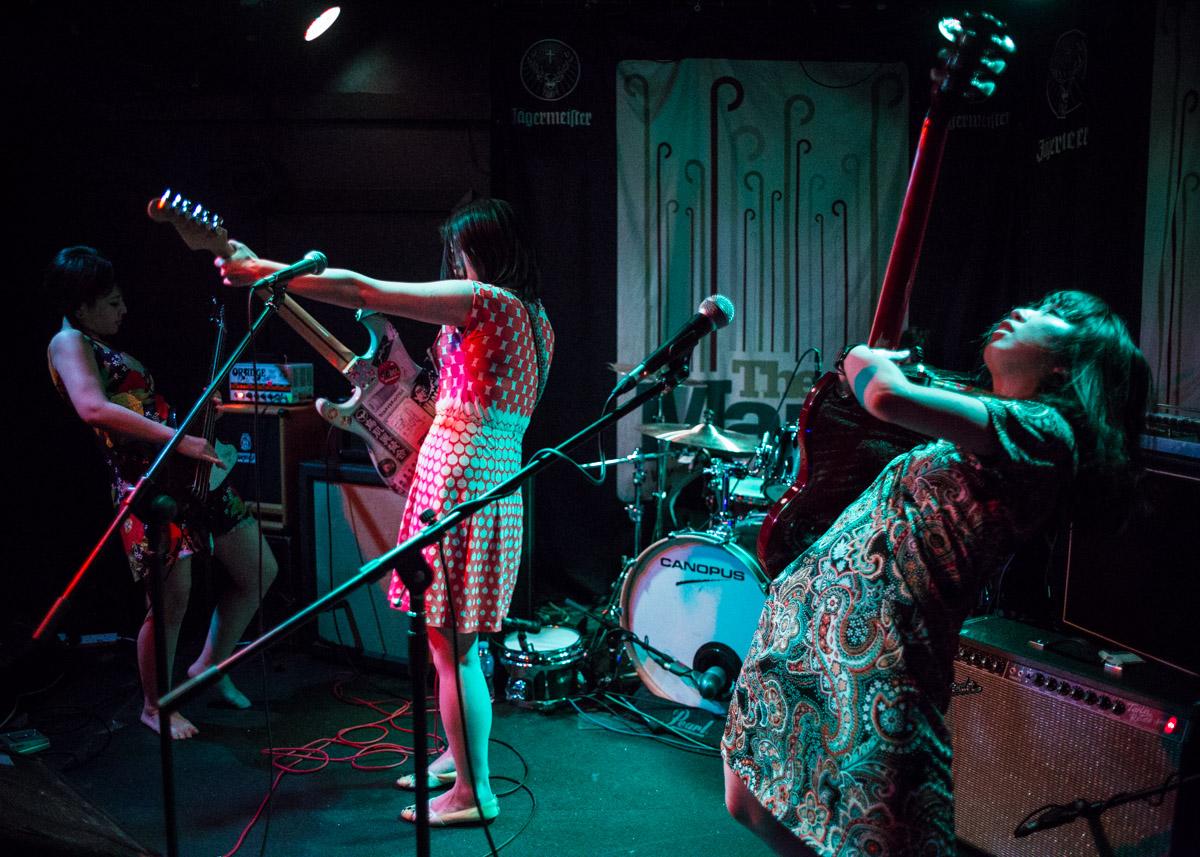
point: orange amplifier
(271, 383)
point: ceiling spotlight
(322, 23)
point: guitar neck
(202, 231)
(910, 233)
(312, 331)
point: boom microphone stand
(157, 509)
(406, 560)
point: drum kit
(682, 611)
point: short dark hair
(78, 276)
(488, 232)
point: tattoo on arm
(862, 379)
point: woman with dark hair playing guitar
(494, 350)
(113, 392)
(835, 742)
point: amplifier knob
(1051, 684)
(1077, 693)
(1118, 707)
(1091, 697)
(1105, 703)
(1064, 688)
(1039, 679)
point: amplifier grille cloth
(1017, 749)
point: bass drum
(696, 597)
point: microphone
(314, 262)
(713, 670)
(715, 312)
(508, 624)
(712, 682)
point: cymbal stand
(634, 509)
(660, 490)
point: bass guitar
(392, 405)
(841, 447)
(191, 482)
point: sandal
(470, 815)
(408, 782)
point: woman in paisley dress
(835, 742)
(494, 350)
(113, 392)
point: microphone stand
(405, 559)
(157, 510)
(1057, 815)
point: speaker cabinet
(350, 517)
(271, 441)
(1032, 726)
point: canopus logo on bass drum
(703, 568)
(550, 70)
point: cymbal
(703, 436)
(626, 368)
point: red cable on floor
(288, 760)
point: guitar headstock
(969, 69)
(199, 228)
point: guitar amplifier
(271, 441)
(1032, 726)
(350, 517)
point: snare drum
(685, 595)
(543, 667)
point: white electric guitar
(392, 405)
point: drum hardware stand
(405, 558)
(660, 492)
(634, 507)
(626, 636)
(157, 510)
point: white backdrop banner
(776, 184)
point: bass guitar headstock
(968, 70)
(199, 228)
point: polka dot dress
(488, 383)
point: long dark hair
(1103, 392)
(78, 276)
(488, 232)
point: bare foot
(228, 691)
(443, 764)
(459, 798)
(181, 727)
(441, 774)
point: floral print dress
(126, 382)
(836, 721)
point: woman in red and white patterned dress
(494, 353)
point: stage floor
(594, 791)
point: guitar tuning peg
(994, 65)
(178, 198)
(162, 200)
(980, 88)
